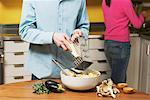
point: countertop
(23, 91)
(9, 37)
(16, 37)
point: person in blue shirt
(47, 25)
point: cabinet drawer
(100, 66)
(96, 44)
(15, 58)
(15, 69)
(15, 46)
(95, 55)
(14, 79)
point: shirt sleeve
(28, 30)
(135, 20)
(82, 20)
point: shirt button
(59, 29)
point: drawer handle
(148, 50)
(19, 53)
(102, 61)
(103, 72)
(18, 65)
(100, 49)
(18, 42)
(18, 77)
(101, 38)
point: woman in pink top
(117, 15)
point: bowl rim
(98, 75)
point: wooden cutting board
(23, 91)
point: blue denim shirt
(40, 19)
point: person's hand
(144, 13)
(61, 40)
(76, 33)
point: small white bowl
(81, 83)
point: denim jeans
(117, 54)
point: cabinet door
(148, 91)
(134, 62)
(148, 69)
(144, 66)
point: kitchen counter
(10, 37)
(17, 37)
(23, 91)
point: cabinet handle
(18, 42)
(103, 72)
(148, 50)
(102, 61)
(18, 65)
(18, 77)
(1, 58)
(101, 38)
(19, 53)
(100, 50)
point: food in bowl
(85, 81)
(86, 75)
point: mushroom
(107, 89)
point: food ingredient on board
(128, 90)
(47, 87)
(107, 88)
(122, 85)
(125, 89)
(39, 88)
(54, 86)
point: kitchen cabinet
(96, 54)
(15, 53)
(144, 77)
(134, 62)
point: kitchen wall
(95, 11)
(10, 11)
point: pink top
(117, 18)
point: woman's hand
(61, 40)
